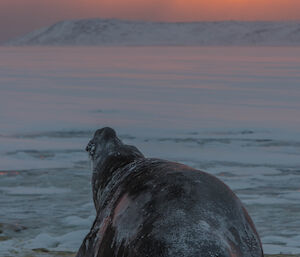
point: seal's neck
(104, 170)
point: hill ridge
(129, 33)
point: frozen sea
(231, 111)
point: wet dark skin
(156, 208)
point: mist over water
(231, 111)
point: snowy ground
(233, 112)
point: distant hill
(128, 33)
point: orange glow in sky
(25, 15)
(193, 10)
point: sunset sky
(21, 16)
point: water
(233, 112)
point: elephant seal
(156, 208)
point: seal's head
(104, 143)
(108, 153)
(101, 141)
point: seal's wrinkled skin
(156, 208)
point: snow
(66, 242)
(107, 32)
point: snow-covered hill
(119, 32)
